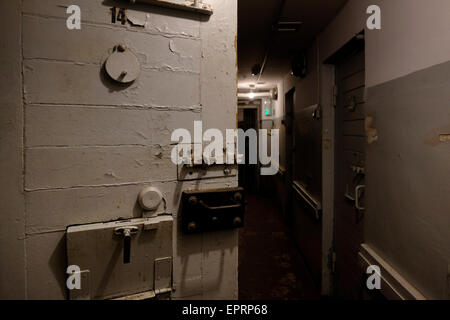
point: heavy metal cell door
(349, 168)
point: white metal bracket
(196, 6)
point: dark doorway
(248, 177)
(349, 164)
(290, 146)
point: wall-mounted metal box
(210, 210)
(122, 258)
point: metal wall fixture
(358, 190)
(196, 6)
(257, 93)
(188, 170)
(126, 233)
(211, 210)
(97, 249)
(122, 65)
(152, 202)
(133, 255)
(311, 202)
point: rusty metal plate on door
(211, 210)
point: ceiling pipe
(272, 38)
(257, 95)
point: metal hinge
(332, 260)
(335, 94)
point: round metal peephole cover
(150, 198)
(122, 65)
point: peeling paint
(444, 137)
(172, 47)
(137, 18)
(371, 133)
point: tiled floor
(270, 267)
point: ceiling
(255, 21)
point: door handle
(215, 219)
(127, 233)
(357, 196)
(233, 206)
(353, 103)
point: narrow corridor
(270, 267)
(134, 133)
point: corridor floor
(270, 267)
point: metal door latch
(212, 210)
(127, 233)
(358, 197)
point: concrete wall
(412, 39)
(92, 145)
(409, 30)
(402, 225)
(409, 101)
